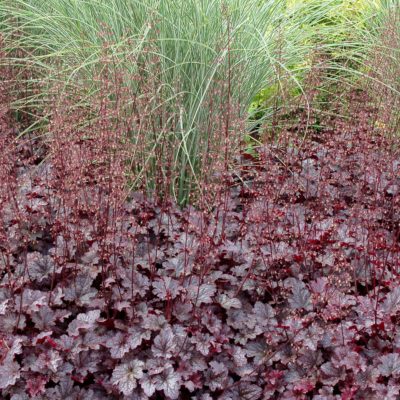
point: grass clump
(189, 72)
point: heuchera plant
(287, 289)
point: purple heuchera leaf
(217, 376)
(332, 375)
(161, 376)
(91, 340)
(154, 322)
(32, 300)
(392, 303)
(320, 286)
(48, 360)
(164, 344)
(169, 382)
(345, 357)
(148, 385)
(390, 365)
(178, 264)
(389, 391)
(211, 321)
(229, 302)
(204, 396)
(92, 255)
(182, 311)
(3, 306)
(166, 288)
(157, 365)
(257, 349)
(125, 376)
(83, 321)
(9, 374)
(136, 283)
(122, 342)
(42, 335)
(81, 289)
(44, 318)
(64, 390)
(9, 321)
(301, 296)
(39, 266)
(264, 314)
(239, 356)
(202, 341)
(87, 361)
(243, 391)
(10, 345)
(200, 293)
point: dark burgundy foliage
(287, 289)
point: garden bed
(287, 289)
